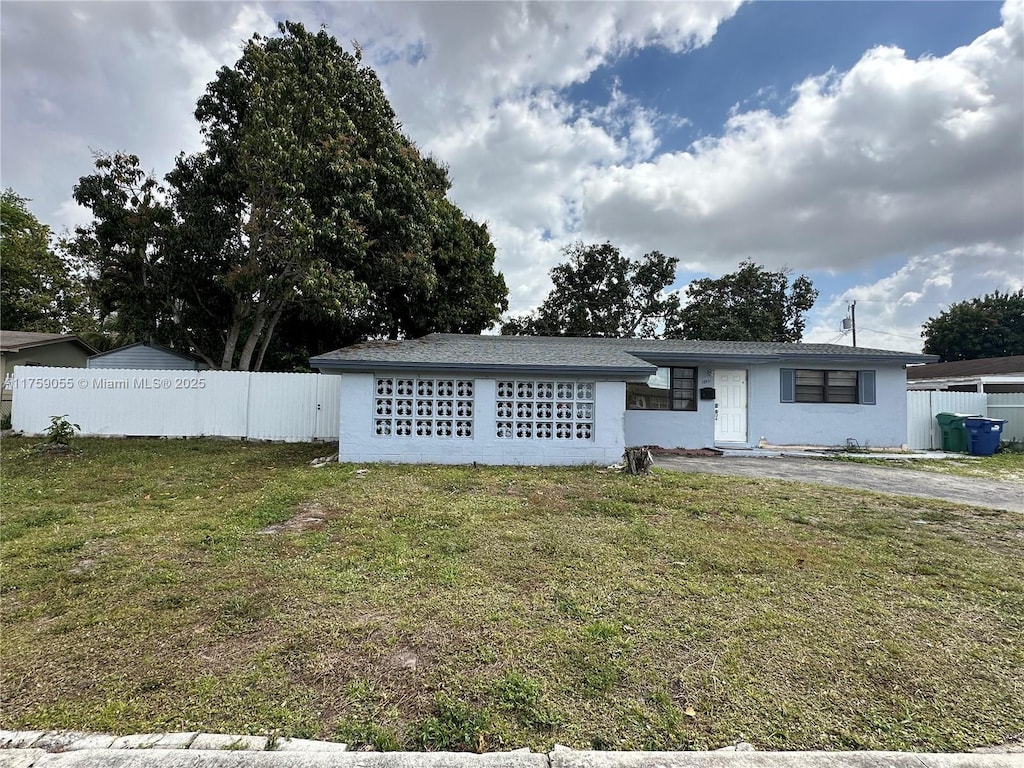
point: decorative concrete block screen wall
(404, 407)
(545, 410)
(458, 420)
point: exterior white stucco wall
(883, 425)
(826, 424)
(358, 441)
(675, 429)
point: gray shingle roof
(458, 351)
(548, 354)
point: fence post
(248, 405)
(931, 421)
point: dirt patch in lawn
(309, 516)
(657, 450)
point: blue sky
(876, 146)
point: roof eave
(952, 381)
(901, 359)
(698, 357)
(46, 342)
(771, 357)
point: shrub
(61, 430)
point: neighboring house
(150, 357)
(990, 374)
(28, 348)
(450, 398)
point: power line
(886, 333)
(891, 302)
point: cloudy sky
(877, 147)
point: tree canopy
(37, 290)
(307, 203)
(988, 326)
(599, 292)
(751, 304)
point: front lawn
(152, 585)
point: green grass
(1005, 465)
(461, 608)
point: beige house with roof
(29, 348)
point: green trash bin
(954, 433)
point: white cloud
(890, 310)
(895, 155)
(106, 77)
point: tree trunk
(267, 336)
(231, 342)
(258, 323)
(638, 460)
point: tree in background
(989, 326)
(751, 304)
(38, 291)
(463, 293)
(122, 249)
(600, 292)
(307, 202)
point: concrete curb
(74, 749)
(177, 758)
(76, 741)
(559, 758)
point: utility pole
(850, 323)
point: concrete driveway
(992, 494)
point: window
(423, 408)
(800, 385)
(670, 389)
(548, 410)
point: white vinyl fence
(1009, 407)
(923, 405)
(293, 407)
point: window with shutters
(802, 385)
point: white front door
(730, 406)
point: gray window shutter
(787, 385)
(866, 387)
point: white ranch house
(454, 399)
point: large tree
(448, 284)
(600, 292)
(989, 326)
(122, 247)
(307, 200)
(38, 291)
(751, 304)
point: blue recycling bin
(983, 435)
